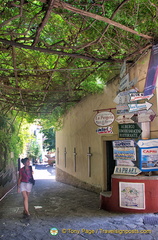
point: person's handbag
(32, 180)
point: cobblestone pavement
(72, 211)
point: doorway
(110, 162)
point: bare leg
(26, 202)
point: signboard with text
(126, 170)
(148, 154)
(103, 119)
(130, 130)
(148, 158)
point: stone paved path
(72, 211)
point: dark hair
(24, 160)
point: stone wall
(64, 177)
(8, 178)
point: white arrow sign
(126, 170)
(124, 82)
(147, 143)
(123, 97)
(125, 118)
(138, 107)
(139, 96)
(144, 116)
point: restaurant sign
(103, 119)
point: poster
(132, 195)
(148, 158)
(124, 150)
(125, 153)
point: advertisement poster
(126, 153)
(131, 195)
(152, 73)
(124, 150)
(148, 158)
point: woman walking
(25, 183)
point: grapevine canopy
(54, 53)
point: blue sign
(148, 159)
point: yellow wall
(79, 131)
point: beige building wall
(79, 134)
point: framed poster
(132, 195)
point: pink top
(25, 174)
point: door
(110, 163)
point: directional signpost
(123, 97)
(136, 96)
(147, 143)
(125, 170)
(127, 118)
(124, 82)
(144, 116)
(131, 130)
(138, 107)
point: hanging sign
(126, 170)
(103, 119)
(136, 96)
(130, 130)
(105, 130)
(139, 107)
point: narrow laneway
(72, 212)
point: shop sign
(105, 130)
(130, 130)
(103, 119)
(126, 170)
(148, 159)
(124, 153)
(147, 143)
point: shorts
(25, 187)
